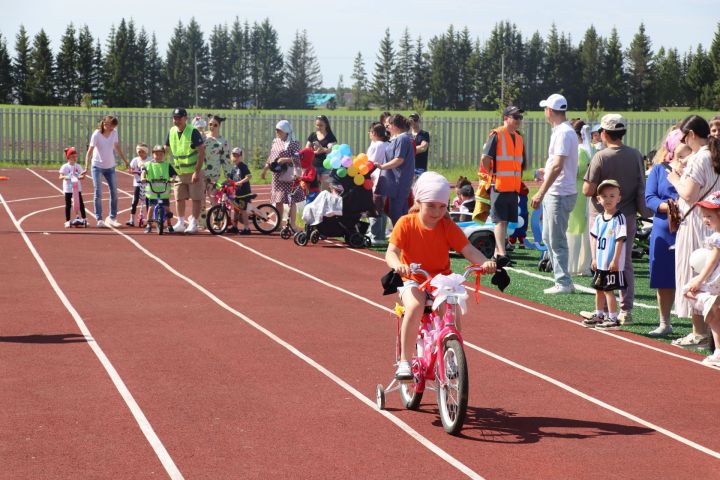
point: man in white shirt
(558, 193)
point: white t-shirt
(103, 153)
(136, 166)
(564, 141)
(73, 170)
(376, 154)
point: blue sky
(338, 30)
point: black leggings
(136, 200)
(68, 205)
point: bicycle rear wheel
(267, 220)
(411, 393)
(217, 219)
(453, 392)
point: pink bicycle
(439, 356)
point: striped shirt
(607, 233)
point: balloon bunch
(341, 160)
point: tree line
(242, 66)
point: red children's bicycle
(439, 362)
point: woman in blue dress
(658, 191)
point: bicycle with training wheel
(264, 217)
(160, 214)
(439, 362)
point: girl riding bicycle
(425, 236)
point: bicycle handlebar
(164, 181)
(415, 268)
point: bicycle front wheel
(160, 218)
(266, 219)
(217, 219)
(453, 392)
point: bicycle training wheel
(217, 219)
(453, 393)
(267, 220)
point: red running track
(252, 357)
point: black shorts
(504, 206)
(608, 281)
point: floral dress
(285, 192)
(217, 159)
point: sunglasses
(214, 124)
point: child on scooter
(71, 173)
(136, 166)
(425, 236)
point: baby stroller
(356, 201)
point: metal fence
(34, 136)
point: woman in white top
(376, 154)
(103, 143)
(694, 179)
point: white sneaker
(179, 227)
(403, 372)
(192, 227)
(112, 222)
(67, 224)
(713, 359)
(554, 290)
(101, 224)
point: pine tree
(404, 70)
(614, 93)
(420, 81)
(42, 72)
(98, 77)
(699, 79)
(591, 54)
(669, 74)
(21, 67)
(382, 86)
(466, 77)
(179, 87)
(441, 72)
(141, 96)
(266, 66)
(221, 74)
(6, 83)
(198, 61)
(714, 55)
(119, 71)
(533, 71)
(340, 92)
(641, 73)
(360, 84)
(240, 63)
(67, 74)
(505, 40)
(84, 58)
(154, 77)
(302, 72)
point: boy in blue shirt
(607, 236)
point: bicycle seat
(249, 196)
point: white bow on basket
(449, 285)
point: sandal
(692, 340)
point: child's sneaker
(713, 360)
(593, 321)
(67, 224)
(609, 325)
(232, 229)
(130, 223)
(170, 229)
(403, 372)
(148, 228)
(244, 231)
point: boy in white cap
(425, 236)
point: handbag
(288, 174)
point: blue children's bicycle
(159, 213)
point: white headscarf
(431, 187)
(586, 140)
(285, 126)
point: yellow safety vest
(157, 171)
(184, 156)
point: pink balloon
(346, 162)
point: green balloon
(341, 172)
(327, 164)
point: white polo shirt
(563, 141)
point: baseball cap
(237, 151)
(179, 112)
(613, 122)
(70, 151)
(512, 110)
(555, 102)
(158, 148)
(596, 128)
(607, 183)
(711, 201)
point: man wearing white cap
(625, 165)
(558, 193)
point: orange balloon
(363, 169)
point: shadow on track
(42, 338)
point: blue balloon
(345, 150)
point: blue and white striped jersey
(608, 232)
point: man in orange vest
(503, 158)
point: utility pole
(197, 102)
(502, 80)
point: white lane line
(320, 368)
(553, 381)
(135, 409)
(29, 199)
(559, 317)
(38, 211)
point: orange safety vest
(508, 161)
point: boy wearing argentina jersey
(608, 235)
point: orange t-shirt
(428, 247)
